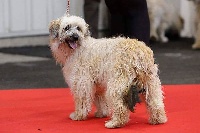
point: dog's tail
(131, 98)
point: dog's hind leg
(114, 94)
(155, 22)
(162, 29)
(196, 45)
(154, 98)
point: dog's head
(67, 34)
(70, 30)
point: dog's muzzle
(72, 41)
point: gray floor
(33, 67)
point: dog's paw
(196, 46)
(113, 124)
(164, 39)
(99, 114)
(154, 38)
(158, 119)
(77, 117)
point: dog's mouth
(72, 44)
(72, 41)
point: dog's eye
(78, 28)
(67, 27)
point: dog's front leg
(83, 101)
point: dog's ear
(87, 30)
(54, 27)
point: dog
(109, 72)
(196, 44)
(163, 17)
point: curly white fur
(101, 71)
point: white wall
(31, 17)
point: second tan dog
(163, 16)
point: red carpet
(47, 110)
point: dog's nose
(74, 37)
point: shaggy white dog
(163, 16)
(109, 72)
